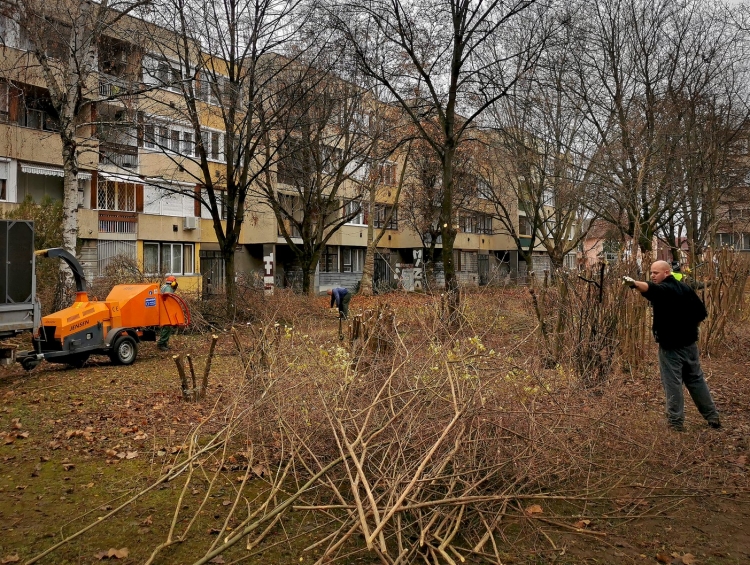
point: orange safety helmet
(171, 279)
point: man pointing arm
(677, 313)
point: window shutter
(139, 198)
(94, 188)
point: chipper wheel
(124, 351)
(30, 363)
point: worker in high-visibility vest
(681, 274)
(169, 286)
(677, 270)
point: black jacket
(677, 313)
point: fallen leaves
(676, 559)
(10, 559)
(533, 509)
(113, 553)
(12, 436)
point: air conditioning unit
(189, 223)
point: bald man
(677, 313)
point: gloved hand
(628, 281)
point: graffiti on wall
(268, 278)
(409, 276)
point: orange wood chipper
(111, 327)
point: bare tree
(225, 61)
(376, 191)
(421, 204)
(323, 148)
(61, 39)
(435, 59)
(540, 154)
(642, 65)
(710, 125)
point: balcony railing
(111, 86)
(123, 156)
(111, 221)
(37, 119)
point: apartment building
(138, 182)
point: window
(548, 197)
(108, 252)
(352, 259)
(175, 135)
(484, 190)
(215, 145)
(202, 87)
(381, 214)
(724, 239)
(388, 173)
(168, 76)
(221, 204)
(331, 159)
(149, 139)
(212, 144)
(172, 258)
(570, 261)
(355, 207)
(467, 262)
(483, 224)
(360, 122)
(524, 226)
(467, 224)
(163, 137)
(745, 241)
(113, 195)
(188, 147)
(3, 180)
(738, 213)
(176, 139)
(329, 260)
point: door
(382, 277)
(483, 267)
(212, 270)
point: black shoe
(677, 427)
(163, 347)
(714, 424)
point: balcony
(111, 221)
(115, 87)
(117, 155)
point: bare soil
(77, 443)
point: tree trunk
(308, 280)
(70, 221)
(365, 284)
(230, 284)
(448, 232)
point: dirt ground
(78, 443)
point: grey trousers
(345, 300)
(678, 366)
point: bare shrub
(447, 449)
(721, 280)
(120, 269)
